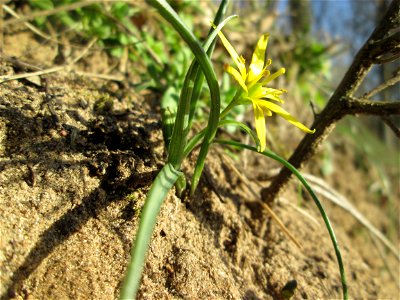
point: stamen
(266, 73)
(275, 75)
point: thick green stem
(181, 127)
(158, 191)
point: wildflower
(253, 83)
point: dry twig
(381, 87)
(27, 24)
(384, 259)
(1, 25)
(6, 78)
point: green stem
(314, 197)
(206, 143)
(198, 136)
(231, 104)
(169, 174)
(189, 96)
(181, 127)
(158, 191)
(245, 128)
(193, 142)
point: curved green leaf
(188, 99)
(313, 196)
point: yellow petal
(284, 114)
(260, 125)
(258, 59)
(239, 61)
(266, 111)
(237, 76)
(273, 76)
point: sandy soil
(77, 157)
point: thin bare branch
(6, 78)
(385, 49)
(128, 30)
(19, 63)
(63, 8)
(383, 256)
(85, 50)
(37, 31)
(386, 58)
(100, 76)
(1, 25)
(265, 206)
(352, 106)
(381, 87)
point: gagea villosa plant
(253, 88)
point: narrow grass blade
(158, 191)
(314, 197)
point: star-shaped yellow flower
(253, 83)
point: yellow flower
(253, 83)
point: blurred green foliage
(310, 65)
(310, 55)
(163, 55)
(93, 21)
